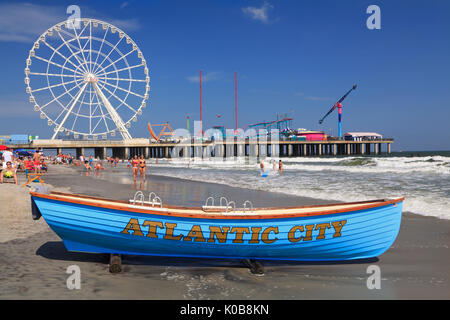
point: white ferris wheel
(91, 81)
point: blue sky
(295, 57)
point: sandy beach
(34, 260)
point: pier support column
(304, 149)
(334, 149)
(126, 153)
(204, 152)
(376, 148)
(320, 149)
(348, 148)
(241, 151)
(389, 148)
(166, 152)
(290, 150)
(363, 148)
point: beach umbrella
(2, 147)
(24, 153)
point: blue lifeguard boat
(334, 232)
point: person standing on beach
(142, 166)
(37, 163)
(7, 156)
(274, 166)
(135, 164)
(280, 166)
(37, 156)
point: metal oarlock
(227, 206)
(138, 196)
(212, 202)
(153, 199)
(245, 205)
(226, 201)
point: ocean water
(423, 178)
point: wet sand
(34, 261)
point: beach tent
(22, 152)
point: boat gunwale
(123, 205)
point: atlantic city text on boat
(221, 234)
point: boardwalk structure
(197, 148)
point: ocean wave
(424, 183)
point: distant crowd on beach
(13, 163)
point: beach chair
(32, 177)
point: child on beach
(29, 166)
(99, 166)
(87, 166)
(43, 165)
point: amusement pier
(95, 110)
(125, 149)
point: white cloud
(209, 76)
(24, 22)
(313, 98)
(261, 14)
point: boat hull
(340, 236)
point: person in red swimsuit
(135, 164)
(29, 166)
